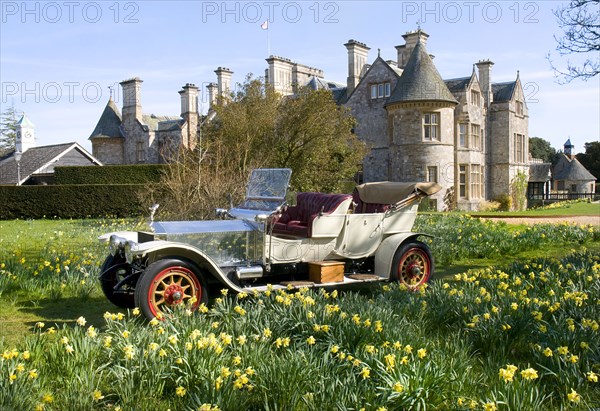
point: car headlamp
(130, 248)
(116, 244)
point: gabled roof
(420, 81)
(345, 97)
(109, 125)
(574, 171)
(539, 172)
(35, 160)
(503, 91)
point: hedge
(121, 174)
(71, 201)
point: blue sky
(58, 58)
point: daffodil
(365, 373)
(97, 395)
(592, 376)
(529, 374)
(573, 396)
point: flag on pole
(265, 25)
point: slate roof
(503, 91)
(420, 81)
(109, 125)
(338, 90)
(575, 171)
(539, 172)
(161, 123)
(316, 83)
(32, 161)
(339, 94)
(456, 85)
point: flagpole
(268, 43)
(265, 26)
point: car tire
(412, 265)
(110, 276)
(167, 284)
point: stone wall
(371, 118)
(108, 151)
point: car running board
(348, 279)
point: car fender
(157, 250)
(126, 235)
(386, 250)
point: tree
(591, 158)
(306, 132)
(8, 130)
(580, 22)
(314, 138)
(540, 148)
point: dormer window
(380, 90)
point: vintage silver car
(324, 240)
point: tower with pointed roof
(421, 120)
(25, 138)
(568, 148)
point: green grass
(574, 209)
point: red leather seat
(297, 220)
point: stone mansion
(468, 134)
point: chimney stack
(223, 81)
(485, 80)
(189, 112)
(411, 39)
(357, 59)
(212, 89)
(189, 99)
(132, 105)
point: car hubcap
(414, 268)
(172, 287)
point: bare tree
(580, 22)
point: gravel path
(594, 220)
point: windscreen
(268, 184)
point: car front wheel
(412, 265)
(168, 284)
(114, 269)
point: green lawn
(575, 209)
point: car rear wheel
(412, 265)
(113, 270)
(168, 284)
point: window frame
(463, 142)
(429, 126)
(476, 98)
(463, 182)
(476, 181)
(432, 171)
(140, 152)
